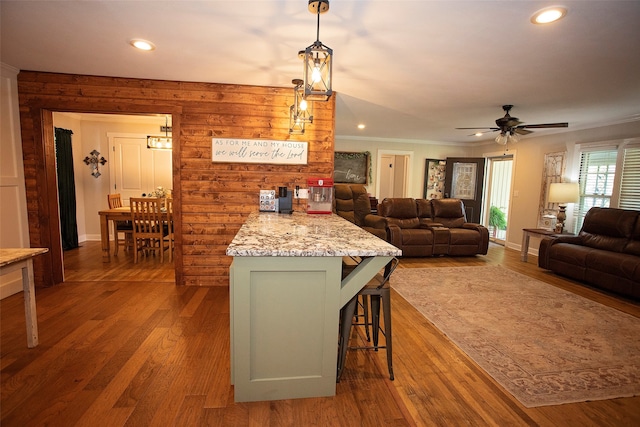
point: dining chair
(168, 205)
(378, 291)
(148, 226)
(125, 227)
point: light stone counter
(299, 234)
(286, 292)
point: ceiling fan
(511, 127)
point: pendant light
(318, 61)
(303, 108)
(161, 142)
(296, 126)
(301, 112)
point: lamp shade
(564, 192)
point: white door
(135, 169)
(387, 173)
(394, 170)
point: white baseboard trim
(11, 286)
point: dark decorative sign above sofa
(226, 150)
(351, 168)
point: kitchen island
(286, 292)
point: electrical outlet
(303, 193)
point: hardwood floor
(121, 345)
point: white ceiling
(411, 70)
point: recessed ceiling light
(548, 15)
(478, 134)
(142, 44)
(361, 126)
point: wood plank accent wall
(211, 200)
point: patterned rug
(544, 345)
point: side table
(527, 233)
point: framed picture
(434, 178)
(351, 168)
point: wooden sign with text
(259, 151)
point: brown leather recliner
(406, 230)
(605, 253)
(351, 202)
(465, 238)
(422, 227)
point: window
(630, 180)
(597, 173)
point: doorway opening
(498, 197)
(393, 172)
(130, 164)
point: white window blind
(597, 173)
(630, 179)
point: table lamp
(563, 193)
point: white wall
(14, 227)
(420, 151)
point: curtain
(66, 189)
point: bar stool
(377, 290)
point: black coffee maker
(284, 200)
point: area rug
(546, 346)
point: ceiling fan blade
(546, 125)
(522, 131)
(482, 132)
(481, 128)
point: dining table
(115, 214)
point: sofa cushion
(361, 205)
(608, 228)
(424, 208)
(569, 254)
(343, 197)
(448, 212)
(615, 264)
(402, 212)
(417, 236)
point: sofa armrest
(375, 221)
(472, 226)
(394, 234)
(483, 241)
(547, 242)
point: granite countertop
(11, 255)
(301, 234)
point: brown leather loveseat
(422, 227)
(605, 253)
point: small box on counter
(268, 201)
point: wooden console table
(22, 259)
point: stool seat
(377, 291)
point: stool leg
(386, 306)
(346, 318)
(375, 319)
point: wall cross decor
(93, 162)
